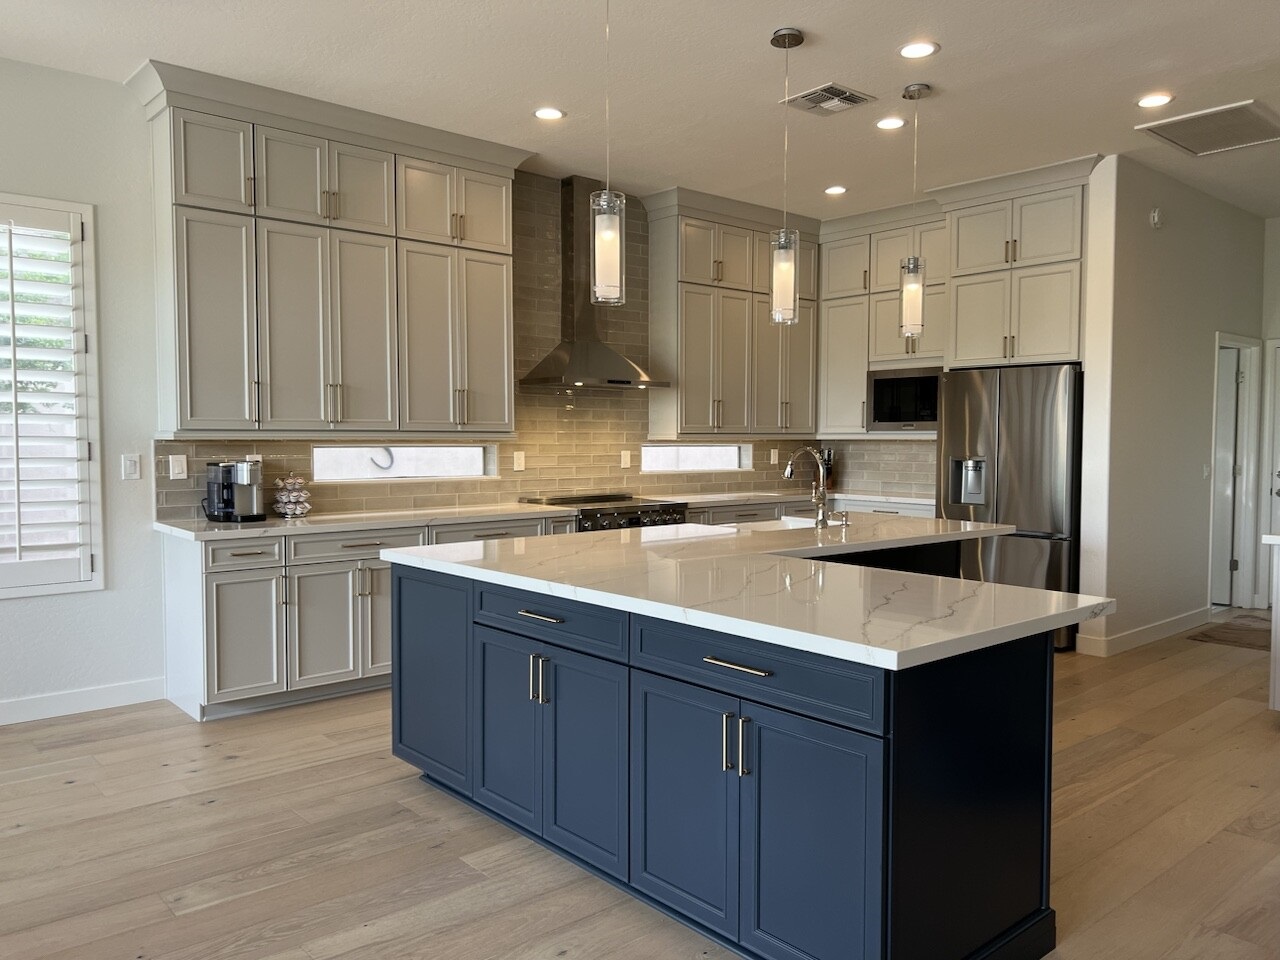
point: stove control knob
(585, 525)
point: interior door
(1222, 538)
(363, 325)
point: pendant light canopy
(608, 219)
(784, 291)
(911, 299)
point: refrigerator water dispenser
(969, 481)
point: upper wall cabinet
(846, 268)
(212, 162)
(842, 368)
(762, 273)
(438, 203)
(890, 247)
(1024, 232)
(310, 180)
(716, 254)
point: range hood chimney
(581, 359)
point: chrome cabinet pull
(542, 680)
(248, 192)
(1015, 252)
(356, 546)
(725, 762)
(284, 589)
(895, 512)
(491, 536)
(539, 616)
(337, 393)
(248, 553)
(462, 226)
(1006, 251)
(533, 690)
(744, 516)
(864, 413)
(865, 279)
(333, 206)
(255, 401)
(742, 746)
(1013, 346)
(1004, 347)
(717, 662)
(324, 204)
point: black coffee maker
(234, 491)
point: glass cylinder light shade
(784, 298)
(608, 247)
(911, 315)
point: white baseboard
(66, 702)
(1139, 636)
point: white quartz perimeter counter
(348, 522)
(768, 586)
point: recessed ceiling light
(891, 123)
(918, 49)
(1155, 100)
(549, 113)
(836, 190)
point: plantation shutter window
(47, 508)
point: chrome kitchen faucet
(819, 488)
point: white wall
(71, 137)
(1271, 282)
(1172, 290)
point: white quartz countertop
(346, 522)
(1271, 538)
(767, 582)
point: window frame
(88, 388)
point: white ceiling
(696, 83)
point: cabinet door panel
(324, 624)
(484, 208)
(842, 367)
(363, 323)
(425, 200)
(737, 251)
(585, 770)
(484, 307)
(762, 267)
(507, 739)
(1046, 313)
(932, 243)
(697, 359)
(885, 342)
(697, 251)
(684, 804)
(801, 341)
(812, 839)
(980, 238)
(1047, 227)
(293, 319)
(244, 634)
(212, 161)
(808, 270)
(979, 318)
(767, 368)
(363, 188)
(846, 268)
(431, 678)
(888, 249)
(293, 171)
(937, 324)
(428, 336)
(733, 359)
(217, 320)
(375, 632)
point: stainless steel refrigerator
(1009, 452)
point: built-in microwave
(903, 399)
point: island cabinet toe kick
(787, 805)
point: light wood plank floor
(136, 834)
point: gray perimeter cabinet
(810, 809)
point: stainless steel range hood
(581, 359)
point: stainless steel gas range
(610, 511)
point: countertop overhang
(770, 583)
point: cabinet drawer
(578, 626)
(245, 554)
(319, 547)
(497, 530)
(745, 513)
(846, 693)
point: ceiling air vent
(827, 99)
(1218, 128)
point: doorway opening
(1233, 529)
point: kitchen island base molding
(915, 827)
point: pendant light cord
(915, 159)
(606, 95)
(786, 128)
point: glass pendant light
(911, 299)
(608, 219)
(784, 288)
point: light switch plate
(517, 461)
(177, 466)
(626, 459)
(253, 457)
(130, 466)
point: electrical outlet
(253, 457)
(130, 466)
(773, 456)
(177, 466)
(517, 461)
(626, 459)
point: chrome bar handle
(1004, 347)
(255, 401)
(333, 205)
(324, 204)
(533, 694)
(539, 616)
(865, 279)
(1013, 346)
(356, 546)
(1006, 251)
(462, 226)
(725, 762)
(1015, 252)
(249, 192)
(247, 553)
(742, 746)
(755, 672)
(864, 414)
(542, 680)
(284, 589)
